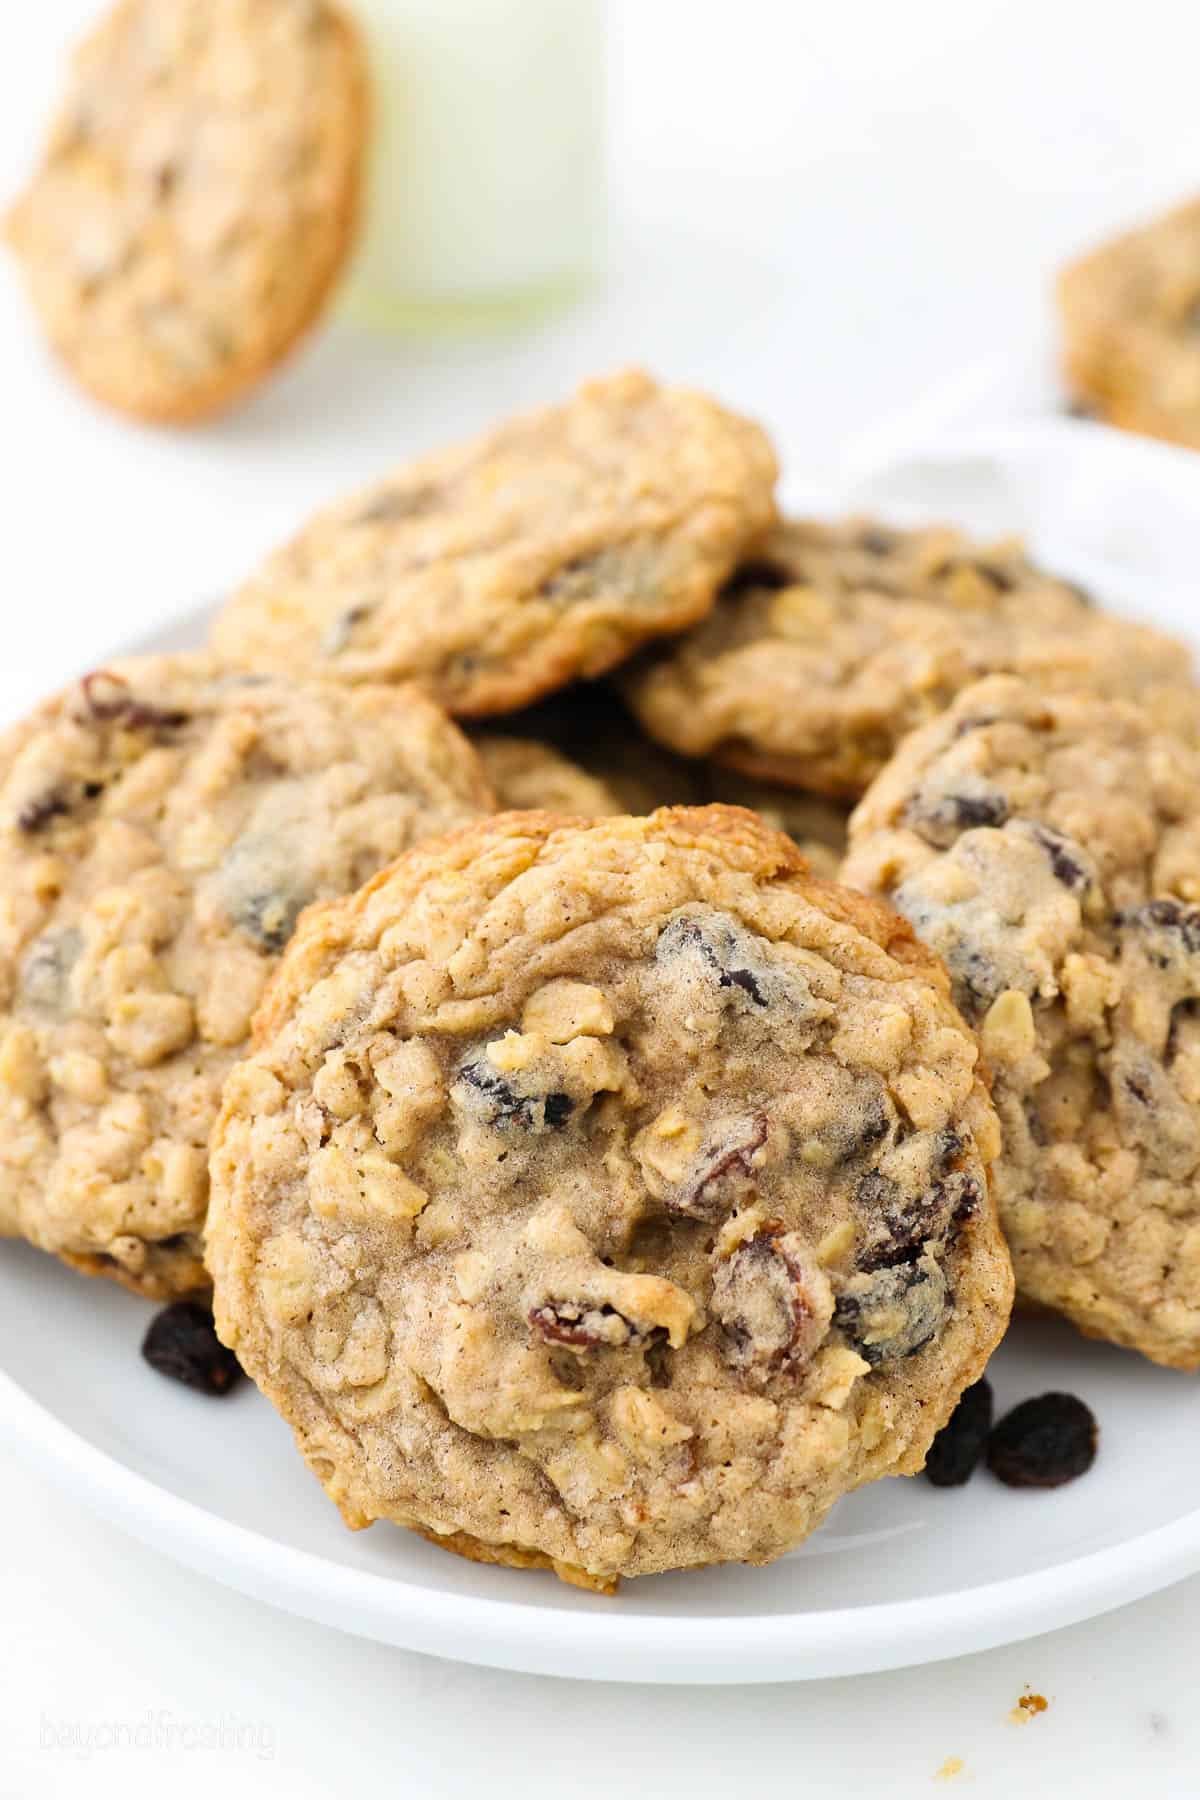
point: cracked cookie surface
(498, 570)
(614, 1193)
(1048, 849)
(1130, 314)
(161, 827)
(835, 640)
(196, 199)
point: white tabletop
(820, 215)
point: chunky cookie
(1048, 848)
(1130, 314)
(614, 1194)
(527, 775)
(196, 199)
(496, 571)
(161, 827)
(835, 640)
(815, 825)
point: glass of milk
(486, 182)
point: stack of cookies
(588, 1177)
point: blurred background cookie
(1130, 319)
(834, 640)
(196, 199)
(500, 569)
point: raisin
(1167, 927)
(875, 540)
(900, 1223)
(182, 1343)
(1000, 579)
(502, 1104)
(629, 570)
(44, 807)
(717, 949)
(773, 1308)
(119, 705)
(970, 810)
(1064, 858)
(262, 888)
(727, 1167)
(583, 1325)
(1044, 1442)
(956, 1451)
(270, 919)
(890, 1313)
(941, 818)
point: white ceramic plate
(901, 1573)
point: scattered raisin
(1044, 1442)
(958, 1447)
(182, 1342)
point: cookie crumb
(952, 1766)
(1027, 1707)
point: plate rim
(662, 1649)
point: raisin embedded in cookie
(611, 1193)
(161, 827)
(1130, 314)
(498, 570)
(196, 199)
(1047, 847)
(835, 640)
(528, 775)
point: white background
(820, 211)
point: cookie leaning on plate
(498, 570)
(1130, 313)
(613, 1193)
(161, 826)
(1048, 848)
(196, 199)
(834, 640)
